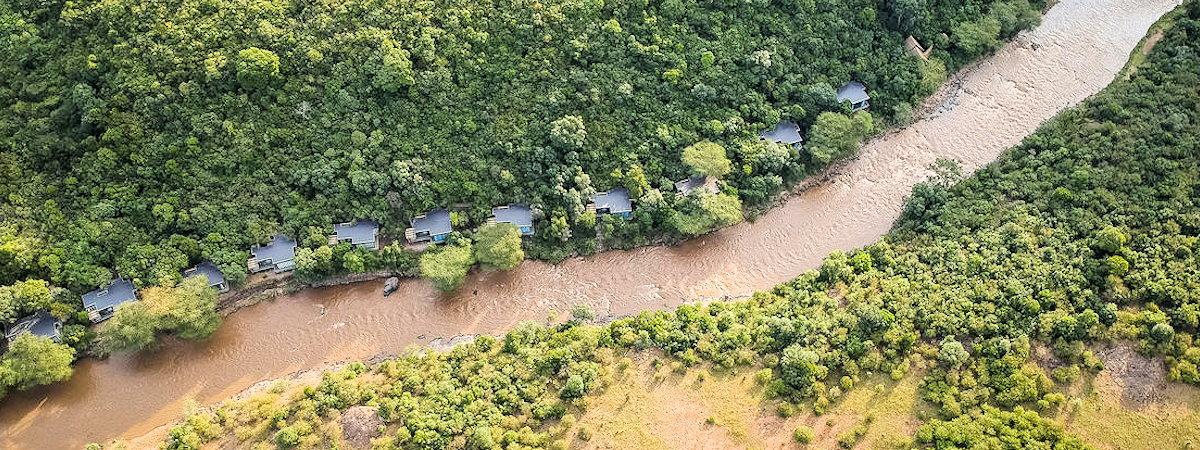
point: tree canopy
(498, 246)
(188, 310)
(835, 135)
(447, 267)
(241, 119)
(706, 159)
(34, 360)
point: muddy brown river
(1078, 49)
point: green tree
(189, 310)
(977, 37)
(24, 296)
(34, 360)
(1162, 332)
(353, 262)
(635, 181)
(800, 368)
(499, 246)
(933, 74)
(256, 67)
(569, 132)
(132, 328)
(995, 428)
(1110, 239)
(152, 264)
(558, 227)
(447, 267)
(908, 14)
(707, 158)
(952, 353)
(707, 213)
(722, 210)
(395, 70)
(312, 265)
(1014, 16)
(835, 135)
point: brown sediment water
(1079, 48)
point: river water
(1078, 50)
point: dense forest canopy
(140, 136)
(1087, 231)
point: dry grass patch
(1129, 406)
(659, 406)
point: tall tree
(34, 360)
(707, 158)
(447, 267)
(498, 246)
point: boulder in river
(390, 286)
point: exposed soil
(360, 424)
(1130, 406)
(1140, 380)
(1152, 41)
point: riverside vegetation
(1087, 231)
(142, 137)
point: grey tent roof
(40, 323)
(691, 184)
(786, 132)
(357, 232)
(435, 222)
(116, 293)
(852, 92)
(281, 248)
(207, 270)
(616, 200)
(516, 214)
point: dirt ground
(1130, 404)
(1138, 380)
(359, 425)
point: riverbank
(269, 288)
(1079, 48)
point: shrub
(447, 267)
(803, 434)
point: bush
(499, 246)
(803, 434)
(447, 267)
(287, 437)
(835, 135)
